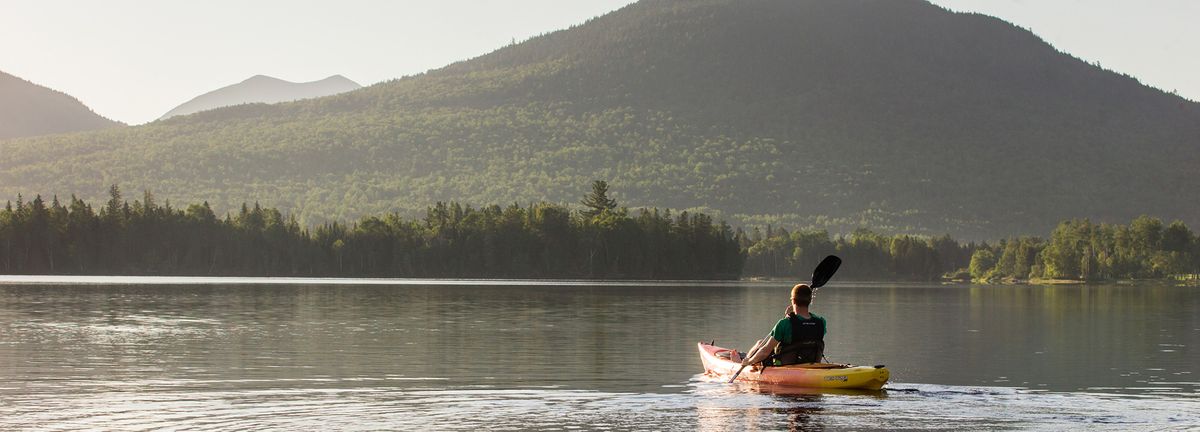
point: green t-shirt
(783, 329)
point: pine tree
(113, 208)
(598, 201)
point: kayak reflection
(761, 406)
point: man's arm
(763, 352)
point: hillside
(27, 109)
(263, 89)
(897, 115)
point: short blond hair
(802, 294)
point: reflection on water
(708, 406)
(512, 356)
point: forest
(598, 240)
(539, 240)
(1077, 250)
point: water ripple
(706, 405)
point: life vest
(807, 345)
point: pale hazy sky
(133, 60)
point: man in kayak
(797, 338)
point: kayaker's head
(802, 295)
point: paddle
(820, 277)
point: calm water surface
(459, 355)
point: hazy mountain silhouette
(28, 109)
(264, 89)
(891, 114)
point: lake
(237, 354)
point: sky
(134, 60)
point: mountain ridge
(28, 109)
(894, 115)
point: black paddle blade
(825, 270)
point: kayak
(812, 375)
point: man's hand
(788, 312)
(753, 366)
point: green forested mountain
(891, 114)
(28, 109)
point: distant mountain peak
(264, 89)
(339, 78)
(257, 78)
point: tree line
(545, 240)
(1077, 249)
(539, 240)
(869, 255)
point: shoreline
(83, 280)
(1004, 282)
(283, 280)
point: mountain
(896, 115)
(263, 89)
(27, 109)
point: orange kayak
(812, 375)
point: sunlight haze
(599, 215)
(133, 61)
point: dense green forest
(1081, 250)
(535, 241)
(893, 114)
(601, 241)
(1076, 250)
(867, 254)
